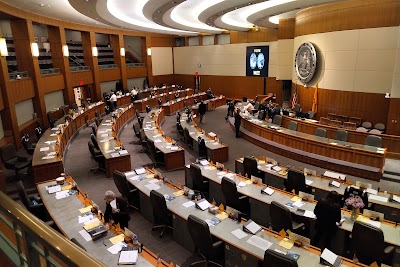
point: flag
(315, 100)
(294, 97)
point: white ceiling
(179, 17)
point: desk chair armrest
(243, 197)
(37, 206)
(133, 190)
(218, 244)
(23, 158)
(389, 250)
(298, 226)
(49, 223)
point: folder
(128, 257)
(251, 227)
(330, 258)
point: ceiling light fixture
(149, 51)
(3, 47)
(95, 52)
(122, 51)
(35, 49)
(65, 50)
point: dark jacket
(238, 119)
(123, 213)
(328, 214)
(202, 108)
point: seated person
(134, 94)
(275, 111)
(209, 93)
(249, 107)
(120, 214)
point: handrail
(18, 75)
(108, 66)
(135, 52)
(132, 65)
(75, 59)
(50, 71)
(34, 236)
(79, 68)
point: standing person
(113, 100)
(231, 108)
(202, 111)
(238, 120)
(117, 211)
(328, 215)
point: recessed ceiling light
(42, 5)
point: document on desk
(241, 184)
(174, 148)
(123, 152)
(54, 189)
(222, 173)
(309, 214)
(259, 242)
(50, 142)
(372, 191)
(157, 141)
(335, 175)
(308, 182)
(153, 181)
(230, 175)
(115, 155)
(203, 204)
(298, 204)
(114, 249)
(239, 233)
(188, 204)
(128, 257)
(396, 198)
(140, 171)
(336, 184)
(277, 168)
(117, 239)
(83, 219)
(46, 148)
(204, 162)
(331, 258)
(130, 174)
(54, 134)
(62, 194)
(152, 187)
(378, 198)
(85, 235)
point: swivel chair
(156, 156)
(29, 147)
(162, 216)
(202, 148)
(187, 138)
(52, 122)
(12, 161)
(373, 140)
(233, 198)
(341, 135)
(320, 132)
(143, 141)
(281, 218)
(201, 236)
(277, 120)
(126, 190)
(94, 129)
(250, 167)
(296, 181)
(273, 258)
(98, 157)
(292, 125)
(136, 129)
(38, 132)
(261, 115)
(199, 184)
(94, 141)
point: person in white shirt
(134, 94)
(113, 100)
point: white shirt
(134, 92)
(113, 98)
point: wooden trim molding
(286, 28)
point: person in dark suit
(202, 111)
(328, 215)
(120, 214)
(231, 108)
(238, 120)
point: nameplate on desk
(128, 257)
(251, 227)
(334, 183)
(54, 189)
(203, 204)
(330, 258)
(140, 171)
(267, 191)
(335, 175)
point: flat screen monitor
(257, 59)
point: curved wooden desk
(153, 101)
(355, 159)
(173, 106)
(107, 138)
(45, 165)
(391, 142)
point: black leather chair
(99, 158)
(28, 146)
(136, 129)
(179, 128)
(281, 218)
(12, 161)
(206, 247)
(369, 244)
(297, 181)
(250, 167)
(187, 138)
(126, 189)
(139, 118)
(162, 216)
(52, 122)
(39, 132)
(262, 114)
(97, 121)
(156, 156)
(233, 198)
(94, 141)
(202, 148)
(143, 141)
(159, 101)
(199, 184)
(94, 129)
(273, 258)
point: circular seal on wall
(305, 62)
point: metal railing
(50, 71)
(108, 66)
(18, 75)
(79, 68)
(28, 241)
(134, 65)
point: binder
(128, 257)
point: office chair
(250, 167)
(136, 129)
(139, 119)
(52, 122)
(159, 101)
(73, 240)
(39, 132)
(107, 109)
(143, 141)
(373, 140)
(297, 108)
(187, 138)
(202, 148)
(97, 121)
(12, 161)
(127, 191)
(366, 124)
(94, 129)
(29, 147)
(256, 106)
(341, 135)
(292, 125)
(148, 108)
(233, 198)
(201, 236)
(156, 156)
(98, 157)
(273, 258)
(369, 244)
(262, 115)
(277, 120)
(162, 216)
(94, 141)
(297, 181)
(179, 128)
(380, 126)
(199, 184)
(281, 218)
(320, 132)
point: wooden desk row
(65, 212)
(107, 138)
(391, 142)
(216, 151)
(173, 159)
(153, 101)
(355, 159)
(320, 186)
(260, 205)
(238, 252)
(45, 164)
(211, 104)
(173, 106)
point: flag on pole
(294, 97)
(315, 100)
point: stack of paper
(259, 242)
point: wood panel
(167, 79)
(28, 127)
(348, 15)
(110, 75)
(135, 72)
(286, 28)
(85, 76)
(253, 36)
(166, 41)
(51, 83)
(371, 107)
(393, 118)
(20, 90)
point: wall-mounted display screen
(257, 58)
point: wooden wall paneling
(286, 28)
(86, 77)
(20, 90)
(117, 42)
(135, 72)
(393, 118)
(253, 36)
(89, 41)
(4, 78)
(109, 75)
(347, 15)
(187, 81)
(167, 79)
(274, 86)
(166, 41)
(57, 40)
(51, 83)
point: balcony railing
(108, 66)
(50, 71)
(79, 68)
(134, 65)
(18, 75)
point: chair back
(277, 120)
(380, 126)
(143, 137)
(320, 132)
(296, 180)
(97, 120)
(50, 119)
(311, 114)
(187, 138)
(91, 149)
(7, 152)
(230, 193)
(297, 108)
(25, 141)
(94, 129)
(256, 105)
(366, 124)
(152, 149)
(159, 101)
(262, 114)
(202, 148)
(197, 177)
(250, 166)
(23, 195)
(39, 132)
(136, 128)
(373, 140)
(160, 210)
(368, 242)
(94, 141)
(281, 218)
(341, 135)
(292, 125)
(361, 129)
(121, 183)
(200, 233)
(273, 258)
